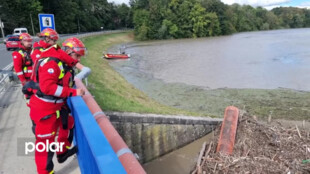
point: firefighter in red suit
(22, 60)
(54, 75)
(48, 38)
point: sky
(269, 4)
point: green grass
(112, 92)
(279, 103)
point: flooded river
(251, 70)
(263, 60)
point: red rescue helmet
(25, 36)
(48, 32)
(76, 45)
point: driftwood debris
(259, 148)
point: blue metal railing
(95, 155)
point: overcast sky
(265, 3)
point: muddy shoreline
(279, 103)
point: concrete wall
(151, 136)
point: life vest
(37, 48)
(34, 85)
(27, 61)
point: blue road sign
(46, 21)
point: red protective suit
(48, 79)
(54, 80)
(37, 48)
(22, 64)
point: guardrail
(81, 35)
(95, 154)
(127, 158)
(6, 75)
(101, 149)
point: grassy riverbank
(279, 103)
(112, 92)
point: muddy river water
(264, 60)
(251, 70)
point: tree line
(166, 19)
(152, 19)
(71, 16)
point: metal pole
(79, 25)
(2, 28)
(32, 25)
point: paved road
(5, 56)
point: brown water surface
(261, 60)
(264, 72)
(181, 161)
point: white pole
(2, 28)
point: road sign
(46, 21)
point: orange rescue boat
(116, 56)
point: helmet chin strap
(70, 53)
(47, 40)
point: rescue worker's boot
(63, 157)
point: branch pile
(259, 148)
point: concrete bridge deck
(15, 125)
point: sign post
(46, 21)
(2, 26)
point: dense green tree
(156, 17)
(272, 20)
(192, 18)
(64, 13)
(139, 4)
(213, 27)
(70, 16)
(178, 13)
(124, 15)
(307, 18)
(168, 30)
(219, 8)
(141, 22)
(291, 17)
(204, 24)
(199, 21)
(15, 14)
